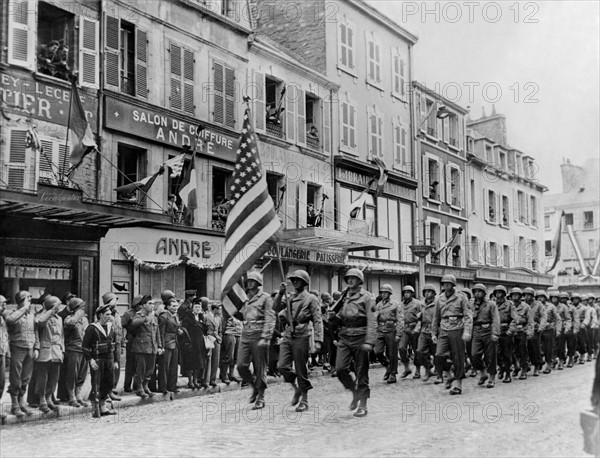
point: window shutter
(395, 73)
(175, 53)
(377, 62)
(350, 44)
(259, 101)
(440, 179)
(402, 78)
(188, 81)
(46, 160)
(16, 168)
(527, 219)
(141, 75)
(218, 93)
(88, 52)
(448, 184)
(290, 110)
(380, 135)
(425, 176)
(428, 232)
(111, 53)
(397, 143)
(370, 59)
(344, 117)
(229, 97)
(301, 117)
(406, 164)
(22, 29)
(326, 136)
(371, 128)
(439, 124)
(446, 122)
(352, 123)
(486, 205)
(461, 189)
(423, 109)
(63, 160)
(342, 38)
(461, 133)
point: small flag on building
(556, 243)
(32, 140)
(80, 127)
(176, 165)
(187, 193)
(383, 175)
(142, 185)
(252, 224)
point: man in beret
(21, 334)
(100, 351)
(75, 323)
(4, 351)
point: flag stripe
(234, 300)
(253, 212)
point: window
(346, 45)
(548, 247)
(398, 75)
(431, 120)
(375, 133)
(522, 206)
(569, 219)
(182, 78)
(588, 220)
(314, 216)
(546, 221)
(432, 174)
(454, 185)
(489, 154)
(274, 97)
(402, 161)
(533, 209)
(520, 257)
(56, 37)
(223, 94)
(53, 161)
(348, 118)
(220, 191)
(125, 59)
(493, 254)
(122, 281)
(131, 168)
(273, 185)
(174, 203)
(454, 132)
(434, 235)
(456, 250)
(506, 255)
(473, 199)
(503, 160)
(505, 211)
(373, 61)
(519, 165)
(533, 255)
(491, 210)
(313, 121)
(474, 249)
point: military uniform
(551, 328)
(508, 328)
(585, 320)
(389, 318)
(572, 333)
(425, 346)
(538, 313)
(524, 323)
(567, 327)
(100, 344)
(409, 327)
(486, 324)
(169, 328)
(146, 345)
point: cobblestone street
(537, 417)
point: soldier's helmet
(516, 290)
(449, 278)
(302, 275)
(467, 291)
(408, 288)
(386, 288)
(541, 292)
(575, 296)
(553, 292)
(480, 287)
(529, 290)
(429, 287)
(584, 297)
(355, 273)
(563, 295)
(500, 288)
(256, 276)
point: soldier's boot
(417, 372)
(457, 387)
(297, 394)
(483, 377)
(23, 406)
(582, 359)
(428, 374)
(523, 375)
(536, 371)
(146, 388)
(406, 372)
(253, 396)
(355, 399)
(570, 362)
(15, 409)
(386, 376)
(303, 406)
(96, 409)
(51, 405)
(362, 408)
(79, 399)
(547, 369)
(260, 402)
(560, 365)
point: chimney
(482, 112)
(493, 109)
(572, 176)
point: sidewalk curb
(68, 412)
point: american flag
(252, 224)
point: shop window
(274, 97)
(153, 282)
(175, 207)
(588, 220)
(130, 165)
(126, 58)
(220, 192)
(314, 206)
(313, 121)
(56, 38)
(122, 281)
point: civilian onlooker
(228, 347)
(194, 353)
(75, 323)
(21, 334)
(146, 345)
(46, 55)
(213, 331)
(129, 358)
(4, 352)
(50, 345)
(170, 329)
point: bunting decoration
(158, 266)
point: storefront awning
(68, 206)
(383, 266)
(321, 237)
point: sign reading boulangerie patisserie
(164, 128)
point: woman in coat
(194, 350)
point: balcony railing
(588, 225)
(274, 129)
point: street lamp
(421, 250)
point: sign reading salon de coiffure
(164, 128)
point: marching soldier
(101, 351)
(409, 325)
(524, 322)
(259, 322)
(571, 333)
(469, 361)
(567, 326)
(508, 327)
(426, 347)
(451, 328)
(593, 331)
(551, 328)
(486, 332)
(585, 320)
(358, 321)
(389, 316)
(305, 308)
(534, 344)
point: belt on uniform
(360, 323)
(387, 321)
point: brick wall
(297, 26)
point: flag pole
(67, 152)
(287, 297)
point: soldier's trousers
(129, 364)
(450, 344)
(251, 352)
(505, 349)
(582, 340)
(534, 346)
(425, 349)
(21, 367)
(521, 353)
(548, 345)
(412, 339)
(294, 351)
(560, 344)
(75, 367)
(227, 355)
(102, 379)
(591, 334)
(144, 368)
(483, 350)
(386, 342)
(349, 350)
(47, 380)
(571, 344)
